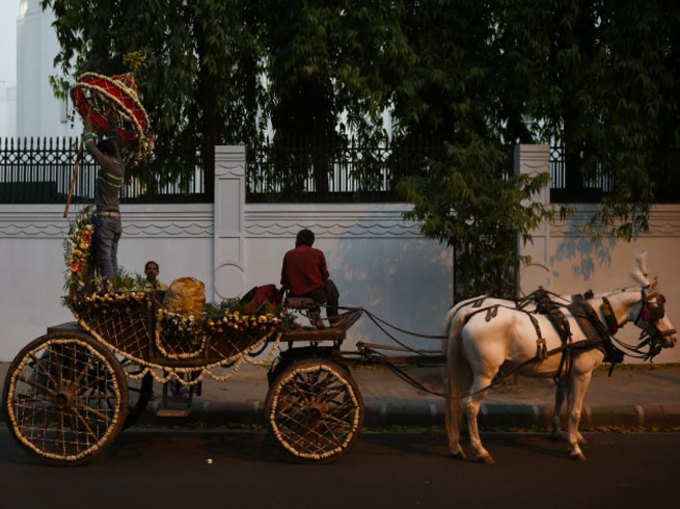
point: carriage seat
(301, 303)
(310, 307)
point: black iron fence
(39, 170)
(579, 189)
(306, 171)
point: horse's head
(652, 319)
(649, 313)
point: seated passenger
(304, 274)
(152, 282)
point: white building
(38, 111)
(8, 110)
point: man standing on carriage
(110, 179)
(112, 114)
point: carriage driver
(304, 274)
(110, 180)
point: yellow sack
(186, 295)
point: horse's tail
(455, 371)
(451, 315)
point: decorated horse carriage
(70, 392)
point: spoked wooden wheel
(314, 410)
(66, 398)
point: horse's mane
(615, 292)
(639, 275)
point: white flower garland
(177, 372)
(275, 400)
(17, 427)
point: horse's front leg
(560, 395)
(577, 392)
(472, 405)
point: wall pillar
(532, 160)
(230, 195)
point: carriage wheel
(314, 410)
(66, 398)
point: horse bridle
(651, 311)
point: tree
(604, 83)
(465, 81)
(600, 76)
(464, 92)
(200, 78)
(325, 66)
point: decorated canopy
(113, 103)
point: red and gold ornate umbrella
(113, 103)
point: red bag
(258, 295)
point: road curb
(394, 412)
(427, 412)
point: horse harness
(596, 333)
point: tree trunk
(207, 100)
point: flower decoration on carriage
(77, 247)
(179, 323)
(234, 321)
(112, 103)
(226, 323)
(107, 301)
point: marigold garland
(90, 296)
(77, 247)
(190, 332)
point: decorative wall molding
(330, 221)
(181, 230)
(335, 230)
(664, 221)
(28, 229)
(139, 221)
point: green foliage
(326, 68)
(604, 80)
(601, 76)
(234, 305)
(469, 201)
(198, 78)
(464, 90)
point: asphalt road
(161, 469)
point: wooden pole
(71, 188)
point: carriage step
(173, 412)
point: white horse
(480, 341)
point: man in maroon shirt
(304, 274)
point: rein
(602, 335)
(379, 322)
(585, 344)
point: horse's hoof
(458, 455)
(484, 458)
(578, 456)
